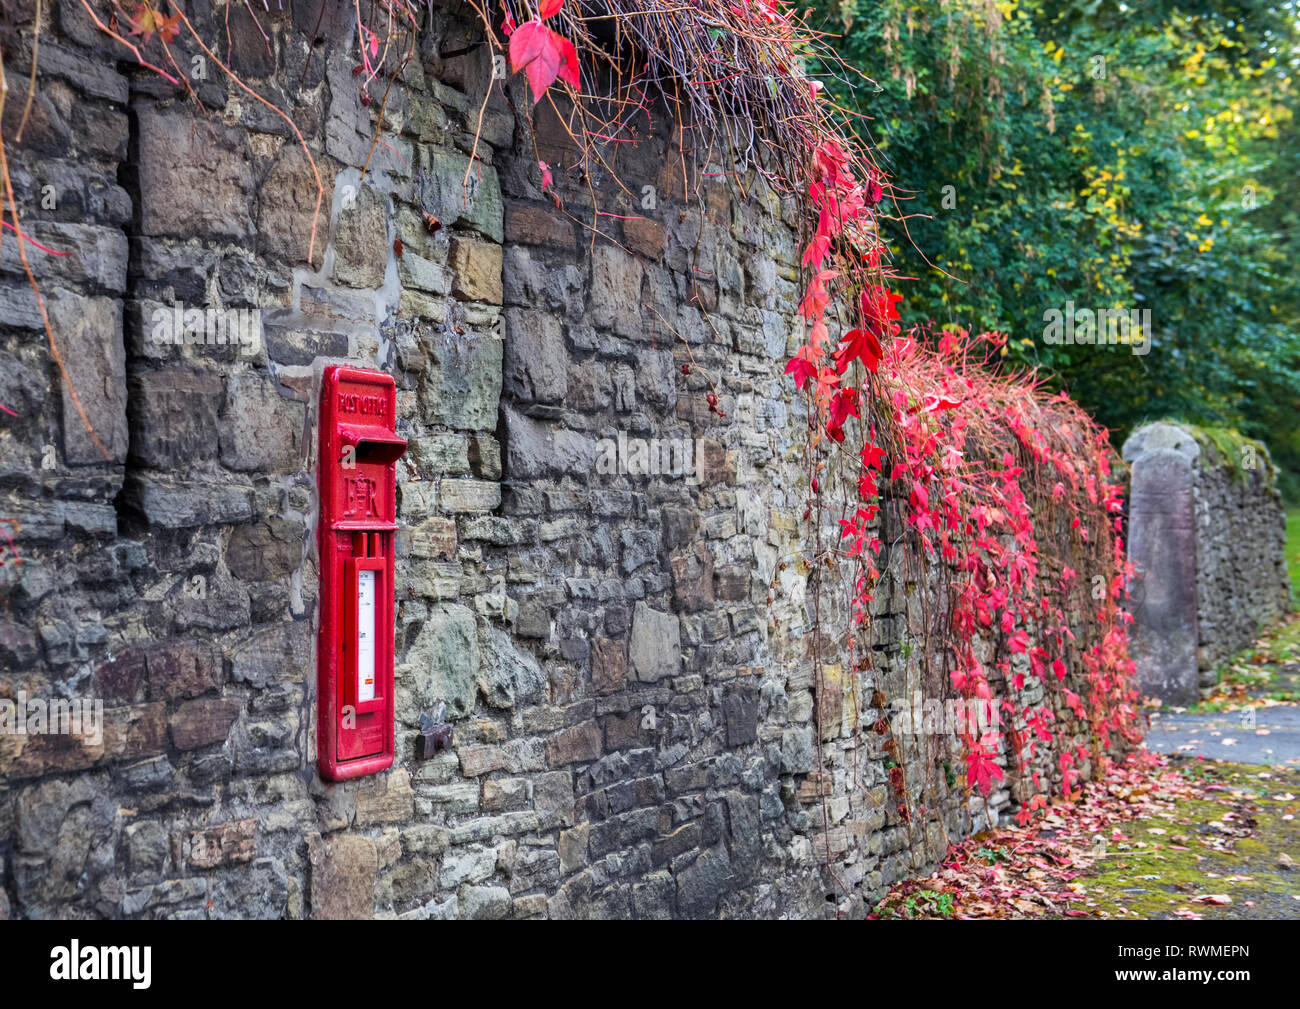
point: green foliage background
(1143, 157)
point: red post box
(357, 481)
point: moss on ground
(1163, 864)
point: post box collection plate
(357, 483)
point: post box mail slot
(357, 480)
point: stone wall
(627, 658)
(1208, 535)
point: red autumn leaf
(531, 51)
(844, 404)
(816, 297)
(873, 456)
(169, 27)
(548, 180)
(543, 56)
(816, 251)
(858, 345)
(802, 369)
(982, 770)
(147, 21)
(568, 59)
(878, 306)
(549, 8)
(934, 403)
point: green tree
(1109, 157)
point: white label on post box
(365, 635)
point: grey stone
(287, 207)
(175, 417)
(194, 180)
(472, 863)
(614, 300)
(260, 429)
(361, 246)
(456, 192)
(147, 846)
(1162, 546)
(174, 505)
(343, 879)
(88, 332)
(703, 882)
(655, 649)
(508, 676)
(442, 664)
(266, 550)
(94, 256)
(640, 546)
(279, 653)
(483, 903)
(536, 449)
(536, 365)
(744, 832)
(797, 754)
(463, 386)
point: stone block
(287, 207)
(385, 798)
(531, 225)
(266, 550)
(608, 665)
(224, 844)
(703, 882)
(483, 903)
(614, 299)
(88, 333)
(442, 664)
(1162, 546)
(577, 744)
(655, 649)
(536, 449)
(173, 505)
(343, 879)
(457, 193)
(261, 430)
(183, 669)
(195, 180)
(361, 246)
(280, 653)
(175, 417)
(203, 721)
(508, 676)
(463, 496)
(476, 270)
(536, 361)
(645, 236)
(463, 386)
(434, 537)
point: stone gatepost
(1162, 546)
